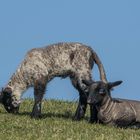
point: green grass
(57, 124)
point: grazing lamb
(41, 65)
(117, 112)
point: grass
(56, 124)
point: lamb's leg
(39, 91)
(83, 94)
(81, 109)
(93, 114)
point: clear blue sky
(111, 27)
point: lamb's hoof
(76, 118)
(35, 116)
(91, 121)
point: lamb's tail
(100, 67)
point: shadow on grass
(65, 115)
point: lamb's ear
(114, 84)
(87, 83)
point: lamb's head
(10, 103)
(99, 91)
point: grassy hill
(56, 124)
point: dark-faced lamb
(112, 111)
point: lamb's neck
(106, 111)
(17, 84)
(105, 104)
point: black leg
(36, 112)
(93, 114)
(81, 109)
(77, 81)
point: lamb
(111, 111)
(41, 65)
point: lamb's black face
(9, 102)
(98, 91)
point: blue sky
(111, 28)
